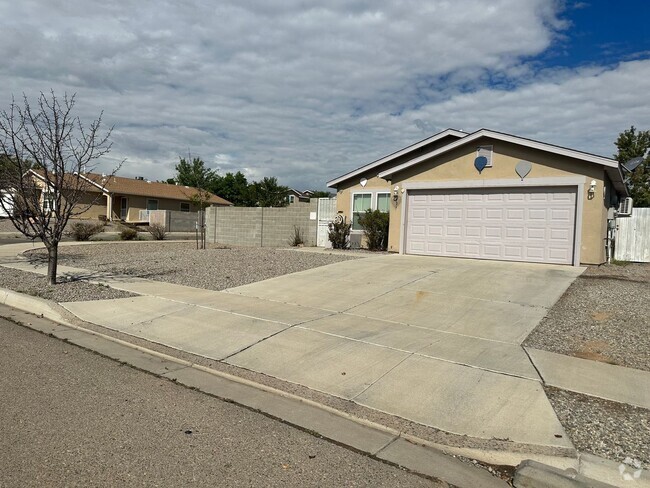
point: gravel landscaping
(604, 428)
(603, 316)
(69, 291)
(216, 268)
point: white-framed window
(363, 201)
(382, 202)
(292, 198)
(185, 206)
(485, 151)
(152, 204)
(360, 203)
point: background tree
(194, 173)
(267, 193)
(234, 188)
(54, 141)
(632, 144)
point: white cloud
(306, 91)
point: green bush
(128, 234)
(157, 231)
(375, 227)
(83, 231)
(339, 234)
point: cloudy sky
(308, 90)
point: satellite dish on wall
(363, 182)
(480, 163)
(523, 168)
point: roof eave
(606, 162)
(388, 158)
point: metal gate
(326, 214)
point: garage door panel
(494, 214)
(417, 230)
(419, 213)
(518, 224)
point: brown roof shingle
(144, 188)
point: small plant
(339, 234)
(375, 227)
(297, 239)
(157, 231)
(128, 234)
(83, 231)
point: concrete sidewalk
(431, 340)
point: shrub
(297, 239)
(83, 231)
(375, 227)
(157, 231)
(128, 234)
(339, 234)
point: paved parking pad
(322, 362)
(486, 319)
(198, 330)
(496, 356)
(123, 313)
(467, 401)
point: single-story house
(129, 199)
(488, 195)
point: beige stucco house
(488, 195)
(112, 198)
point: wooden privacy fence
(633, 237)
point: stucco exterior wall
(91, 206)
(458, 165)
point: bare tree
(45, 152)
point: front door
(124, 208)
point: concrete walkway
(433, 340)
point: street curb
(531, 474)
(374, 440)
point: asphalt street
(69, 417)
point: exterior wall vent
(485, 151)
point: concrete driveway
(433, 340)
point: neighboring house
(488, 195)
(130, 199)
(295, 196)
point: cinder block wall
(261, 226)
(174, 220)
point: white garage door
(512, 224)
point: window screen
(383, 202)
(361, 203)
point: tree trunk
(52, 259)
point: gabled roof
(395, 155)
(610, 165)
(143, 188)
(607, 162)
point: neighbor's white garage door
(513, 224)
